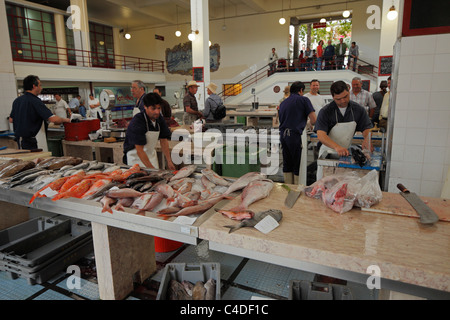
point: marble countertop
(402, 248)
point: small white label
(49, 192)
(185, 220)
(267, 224)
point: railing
(82, 58)
(294, 65)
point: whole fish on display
(75, 191)
(184, 172)
(254, 191)
(16, 167)
(244, 180)
(215, 178)
(257, 217)
(29, 177)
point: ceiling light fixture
(127, 36)
(282, 19)
(346, 13)
(192, 36)
(178, 32)
(392, 14)
(323, 20)
(224, 27)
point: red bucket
(166, 245)
(80, 130)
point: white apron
(41, 139)
(342, 133)
(149, 148)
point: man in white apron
(143, 133)
(138, 92)
(337, 123)
(28, 113)
(95, 111)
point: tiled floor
(242, 279)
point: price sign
(385, 66)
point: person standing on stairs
(294, 113)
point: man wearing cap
(191, 112)
(211, 103)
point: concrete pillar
(200, 46)
(117, 49)
(61, 43)
(7, 76)
(80, 27)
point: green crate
(54, 145)
(240, 119)
(230, 166)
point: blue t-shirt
(28, 112)
(137, 128)
(293, 113)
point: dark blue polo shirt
(326, 119)
(28, 112)
(137, 128)
(293, 113)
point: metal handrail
(37, 53)
(363, 67)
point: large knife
(292, 196)
(427, 215)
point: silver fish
(66, 167)
(82, 165)
(29, 178)
(254, 191)
(215, 178)
(15, 168)
(111, 169)
(24, 173)
(184, 172)
(257, 217)
(95, 166)
(244, 180)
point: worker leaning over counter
(338, 121)
(29, 113)
(143, 133)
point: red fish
(55, 186)
(97, 185)
(241, 215)
(73, 180)
(75, 191)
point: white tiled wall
(421, 139)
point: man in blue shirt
(293, 114)
(28, 113)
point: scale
(107, 101)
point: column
(80, 27)
(200, 46)
(117, 49)
(60, 29)
(7, 76)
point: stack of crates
(41, 247)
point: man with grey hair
(362, 97)
(138, 92)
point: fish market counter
(123, 241)
(410, 258)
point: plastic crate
(39, 247)
(231, 167)
(26, 229)
(307, 290)
(56, 265)
(189, 272)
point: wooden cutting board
(394, 203)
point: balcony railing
(286, 65)
(37, 53)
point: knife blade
(292, 196)
(427, 215)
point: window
(32, 34)
(102, 45)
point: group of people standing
(329, 57)
(334, 123)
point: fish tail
(232, 228)
(58, 196)
(165, 216)
(34, 197)
(107, 208)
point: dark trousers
(292, 150)
(27, 143)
